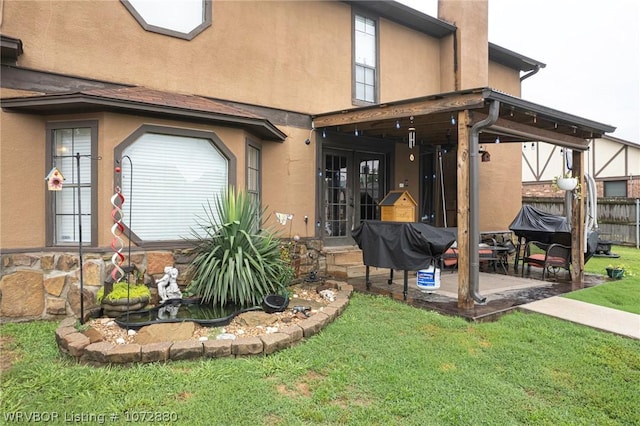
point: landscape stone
(165, 332)
(97, 352)
(155, 352)
(75, 343)
(273, 342)
(47, 262)
(124, 354)
(56, 306)
(188, 349)
(156, 262)
(217, 348)
(246, 346)
(22, 294)
(67, 262)
(94, 335)
(92, 273)
(73, 297)
(55, 284)
(254, 318)
(294, 331)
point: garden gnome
(168, 285)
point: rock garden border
(79, 346)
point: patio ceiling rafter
(518, 121)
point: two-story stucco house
(317, 109)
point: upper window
(171, 176)
(365, 59)
(177, 18)
(615, 188)
(70, 211)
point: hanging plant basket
(567, 183)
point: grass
(380, 363)
(623, 294)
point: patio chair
(553, 258)
(449, 259)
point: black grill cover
(408, 246)
(536, 225)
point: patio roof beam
(533, 133)
(391, 111)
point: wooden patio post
(465, 299)
(577, 224)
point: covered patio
(504, 293)
(467, 119)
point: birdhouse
(398, 206)
(54, 180)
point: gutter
(474, 204)
(531, 73)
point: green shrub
(120, 292)
(235, 261)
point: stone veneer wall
(79, 346)
(46, 285)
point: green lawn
(381, 363)
(623, 294)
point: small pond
(179, 310)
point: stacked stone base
(79, 346)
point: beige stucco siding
(22, 173)
(505, 79)
(277, 64)
(500, 189)
(409, 63)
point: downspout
(474, 204)
(529, 74)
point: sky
(591, 49)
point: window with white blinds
(66, 143)
(171, 181)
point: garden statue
(168, 285)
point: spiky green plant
(235, 261)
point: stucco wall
(291, 55)
(22, 172)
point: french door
(354, 184)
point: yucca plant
(235, 261)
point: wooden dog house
(398, 206)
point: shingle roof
(142, 100)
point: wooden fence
(616, 216)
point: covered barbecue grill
(531, 224)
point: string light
(453, 120)
(497, 139)
(356, 131)
(397, 124)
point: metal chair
(553, 258)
